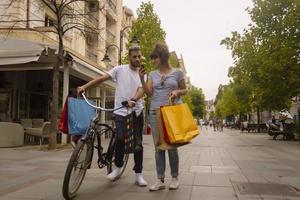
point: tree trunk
(55, 93)
(258, 120)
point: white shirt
(127, 84)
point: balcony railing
(112, 4)
(110, 37)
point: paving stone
(201, 169)
(218, 180)
(200, 192)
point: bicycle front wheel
(78, 164)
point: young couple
(163, 84)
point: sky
(195, 29)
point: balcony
(112, 10)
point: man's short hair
(133, 49)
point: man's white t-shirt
(127, 84)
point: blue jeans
(160, 155)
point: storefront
(26, 80)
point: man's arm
(94, 82)
(139, 94)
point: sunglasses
(162, 80)
(153, 57)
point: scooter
(284, 127)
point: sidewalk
(219, 166)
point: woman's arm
(148, 87)
(182, 88)
(181, 91)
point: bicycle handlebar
(124, 104)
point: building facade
(28, 49)
(179, 63)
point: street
(224, 166)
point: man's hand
(80, 89)
(131, 104)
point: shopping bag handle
(171, 101)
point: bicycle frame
(104, 158)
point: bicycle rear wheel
(79, 162)
(110, 154)
(111, 166)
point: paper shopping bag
(179, 122)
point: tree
(266, 55)
(68, 15)
(196, 101)
(232, 99)
(148, 29)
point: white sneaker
(114, 174)
(174, 184)
(159, 185)
(139, 180)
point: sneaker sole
(173, 188)
(136, 183)
(113, 179)
(160, 188)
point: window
(48, 21)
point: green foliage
(174, 61)
(233, 99)
(196, 101)
(267, 56)
(148, 29)
(212, 115)
(188, 100)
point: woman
(163, 84)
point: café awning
(14, 51)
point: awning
(86, 71)
(15, 51)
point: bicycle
(82, 156)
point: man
(128, 88)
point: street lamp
(134, 44)
(106, 58)
(122, 38)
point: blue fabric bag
(80, 115)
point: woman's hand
(142, 73)
(174, 94)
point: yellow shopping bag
(180, 125)
(161, 143)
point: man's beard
(135, 65)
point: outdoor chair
(11, 134)
(41, 133)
